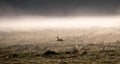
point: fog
(41, 22)
(28, 14)
(59, 7)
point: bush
(50, 53)
(73, 51)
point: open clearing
(83, 46)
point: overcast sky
(60, 7)
(61, 13)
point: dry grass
(84, 55)
(78, 47)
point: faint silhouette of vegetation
(89, 53)
(48, 52)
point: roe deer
(59, 39)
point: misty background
(60, 7)
(59, 13)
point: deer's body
(58, 39)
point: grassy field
(60, 54)
(83, 46)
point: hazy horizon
(26, 14)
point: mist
(60, 7)
(59, 31)
(37, 22)
(29, 14)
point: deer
(59, 39)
